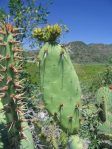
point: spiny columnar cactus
(11, 88)
(59, 81)
(104, 100)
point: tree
(27, 14)
(2, 14)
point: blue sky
(88, 20)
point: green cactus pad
(104, 99)
(28, 142)
(76, 143)
(60, 86)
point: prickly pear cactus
(60, 85)
(76, 143)
(104, 100)
(11, 88)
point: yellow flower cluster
(47, 34)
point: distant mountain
(81, 52)
(89, 53)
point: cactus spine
(11, 88)
(104, 100)
(59, 81)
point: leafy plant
(90, 126)
(2, 15)
(103, 79)
(27, 14)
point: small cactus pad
(76, 143)
(60, 86)
(104, 100)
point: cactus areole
(60, 86)
(11, 87)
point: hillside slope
(89, 53)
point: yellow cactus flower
(47, 34)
